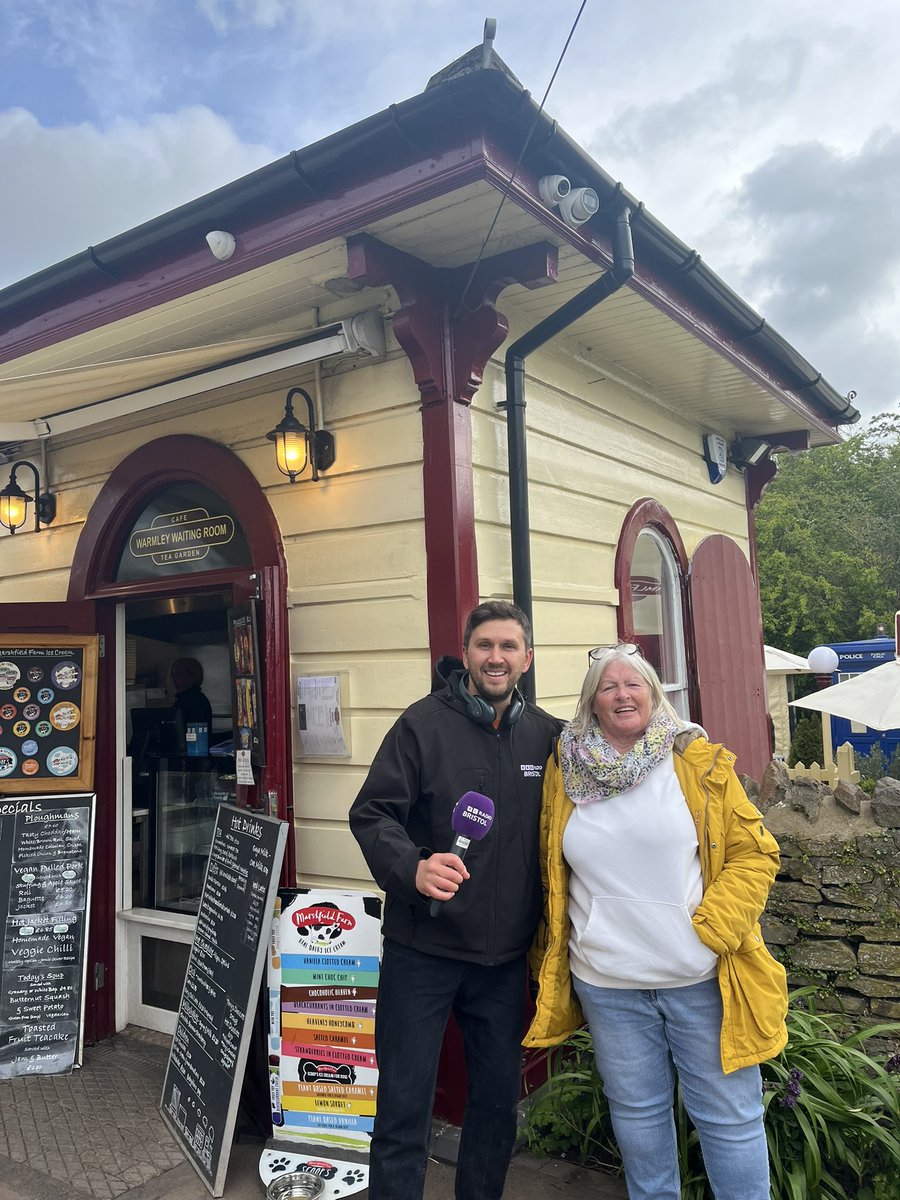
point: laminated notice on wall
(323, 989)
(319, 716)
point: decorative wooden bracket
(448, 326)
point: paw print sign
(340, 1178)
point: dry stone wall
(833, 916)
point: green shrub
(872, 767)
(832, 1113)
(806, 744)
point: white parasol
(871, 698)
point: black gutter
(519, 524)
(494, 97)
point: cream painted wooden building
(141, 379)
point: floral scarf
(593, 770)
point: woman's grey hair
(584, 717)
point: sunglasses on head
(621, 647)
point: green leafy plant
(832, 1112)
(569, 1116)
(872, 766)
(806, 744)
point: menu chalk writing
(209, 1050)
(45, 867)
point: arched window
(651, 567)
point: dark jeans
(417, 993)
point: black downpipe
(519, 526)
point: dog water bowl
(295, 1185)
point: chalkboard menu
(45, 884)
(48, 690)
(209, 1050)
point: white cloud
(117, 110)
(79, 185)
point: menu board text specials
(45, 873)
(221, 988)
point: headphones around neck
(482, 713)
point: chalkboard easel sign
(203, 1080)
(45, 883)
(48, 695)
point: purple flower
(788, 1101)
(893, 1063)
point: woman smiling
(656, 868)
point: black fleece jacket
(433, 754)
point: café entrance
(178, 546)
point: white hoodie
(634, 885)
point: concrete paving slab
(97, 1135)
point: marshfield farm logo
(181, 536)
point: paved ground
(97, 1135)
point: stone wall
(833, 916)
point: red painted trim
(449, 524)
(448, 343)
(662, 292)
(143, 473)
(184, 271)
(643, 513)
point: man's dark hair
(497, 610)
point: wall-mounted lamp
(221, 243)
(297, 444)
(14, 502)
(748, 451)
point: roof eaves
(470, 85)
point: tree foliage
(828, 541)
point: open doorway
(179, 743)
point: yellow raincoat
(738, 860)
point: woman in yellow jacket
(656, 868)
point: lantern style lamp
(297, 444)
(14, 501)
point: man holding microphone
(474, 737)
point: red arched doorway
(140, 935)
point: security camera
(579, 206)
(221, 243)
(553, 188)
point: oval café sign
(181, 536)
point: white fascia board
(363, 333)
(23, 431)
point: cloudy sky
(765, 135)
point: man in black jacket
(475, 732)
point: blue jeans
(416, 994)
(638, 1036)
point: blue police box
(854, 658)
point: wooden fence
(844, 768)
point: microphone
(473, 816)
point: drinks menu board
(45, 885)
(203, 1080)
(323, 987)
(48, 689)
